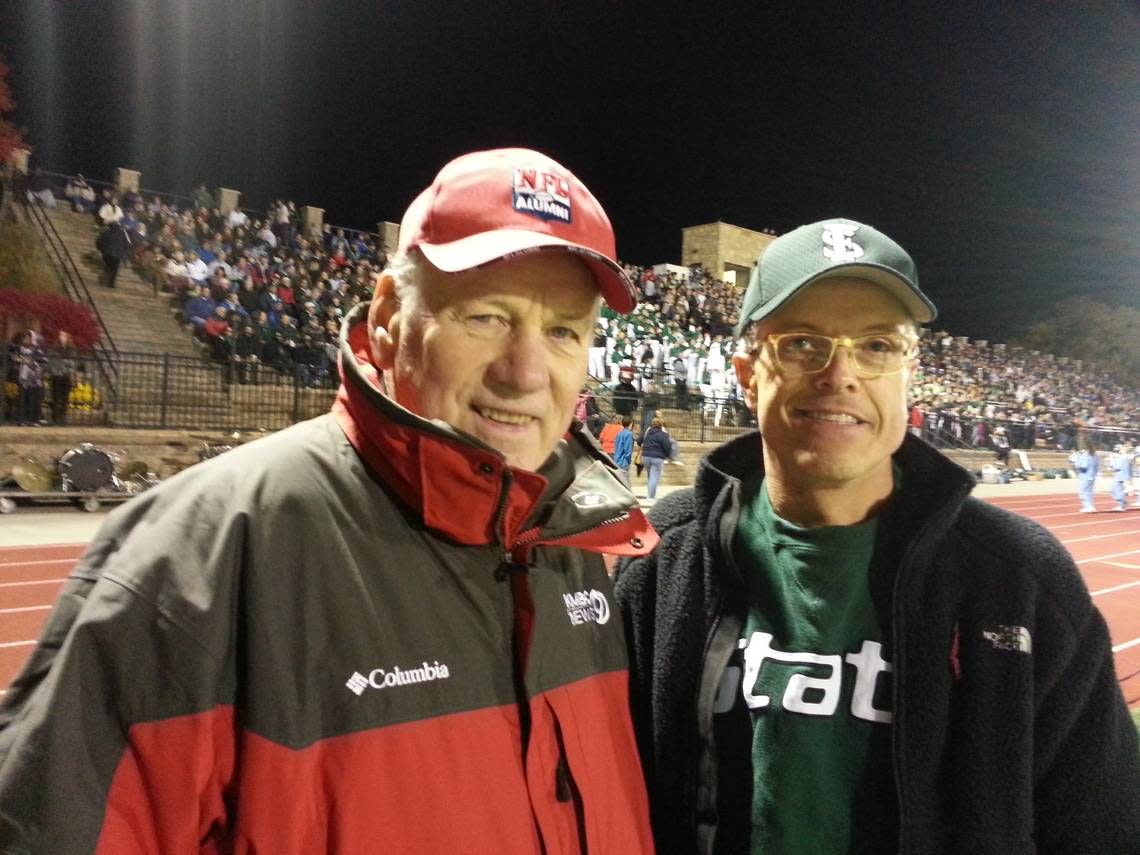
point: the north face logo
(838, 244)
(1014, 638)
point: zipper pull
(508, 567)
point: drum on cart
(86, 469)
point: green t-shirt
(802, 716)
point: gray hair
(407, 269)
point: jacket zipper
(532, 538)
(929, 530)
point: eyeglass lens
(807, 353)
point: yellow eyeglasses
(875, 355)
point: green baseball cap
(824, 250)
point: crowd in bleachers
(677, 346)
(254, 291)
(261, 296)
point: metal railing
(74, 287)
(158, 390)
(162, 391)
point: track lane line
(44, 608)
(1126, 645)
(1106, 557)
(59, 581)
(28, 644)
(1115, 588)
(4, 564)
(1100, 536)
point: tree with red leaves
(10, 136)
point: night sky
(998, 142)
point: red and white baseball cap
(490, 205)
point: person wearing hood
(394, 619)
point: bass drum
(86, 469)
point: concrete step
(137, 319)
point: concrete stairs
(137, 319)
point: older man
(388, 629)
(836, 649)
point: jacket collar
(464, 489)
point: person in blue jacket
(1086, 464)
(623, 448)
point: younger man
(835, 648)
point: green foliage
(1081, 328)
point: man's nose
(521, 365)
(841, 372)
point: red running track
(1106, 547)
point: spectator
(625, 395)
(609, 434)
(623, 449)
(115, 244)
(80, 194)
(177, 275)
(656, 448)
(214, 330)
(31, 362)
(39, 189)
(201, 197)
(309, 358)
(199, 309)
(237, 219)
(681, 382)
(247, 353)
(109, 212)
(61, 364)
(196, 269)
(287, 337)
(651, 403)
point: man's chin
(518, 455)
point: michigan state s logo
(838, 243)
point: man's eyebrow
(567, 315)
(869, 329)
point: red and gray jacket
(365, 633)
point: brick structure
(724, 250)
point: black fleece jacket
(1003, 741)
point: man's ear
(745, 369)
(384, 322)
